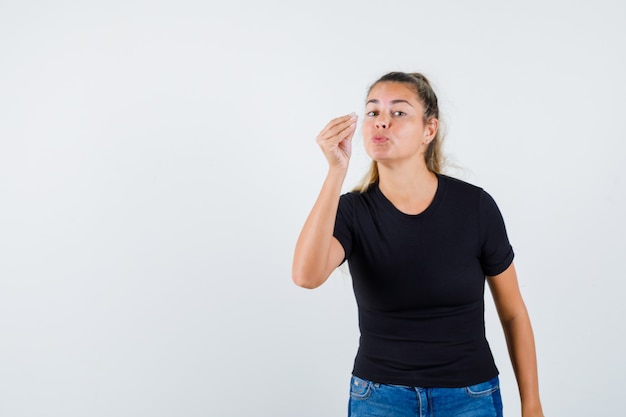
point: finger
(349, 132)
(341, 129)
(331, 140)
(339, 123)
(341, 119)
(345, 135)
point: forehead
(386, 91)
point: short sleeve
(344, 223)
(496, 253)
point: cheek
(367, 127)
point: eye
(399, 113)
(371, 113)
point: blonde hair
(433, 156)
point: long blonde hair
(434, 152)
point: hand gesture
(336, 140)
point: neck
(407, 180)
(410, 190)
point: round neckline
(429, 209)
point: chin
(378, 154)
(380, 159)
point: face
(393, 126)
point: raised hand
(336, 140)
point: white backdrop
(157, 160)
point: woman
(419, 245)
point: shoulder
(356, 203)
(349, 199)
(459, 185)
(457, 188)
(468, 195)
(358, 197)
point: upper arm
(336, 255)
(506, 294)
(496, 252)
(313, 279)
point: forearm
(521, 345)
(310, 264)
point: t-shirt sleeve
(496, 253)
(343, 224)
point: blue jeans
(371, 399)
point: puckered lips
(379, 139)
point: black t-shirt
(419, 284)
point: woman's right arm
(317, 251)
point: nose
(381, 122)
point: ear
(432, 125)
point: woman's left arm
(519, 338)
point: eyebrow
(375, 101)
